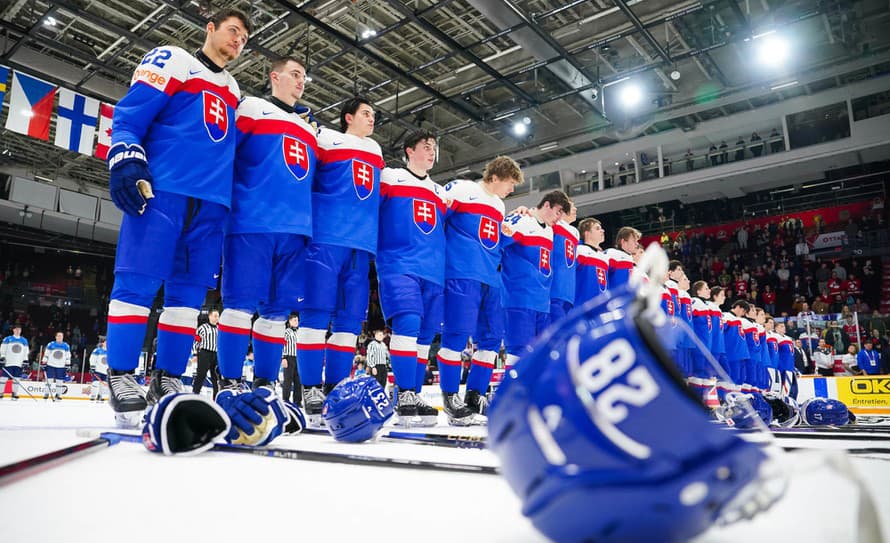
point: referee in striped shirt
(205, 349)
(378, 355)
(289, 362)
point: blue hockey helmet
(826, 412)
(599, 436)
(356, 409)
(745, 410)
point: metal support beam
(455, 46)
(622, 5)
(28, 34)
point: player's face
(501, 187)
(362, 123)
(705, 292)
(291, 80)
(599, 235)
(572, 215)
(228, 39)
(59, 337)
(550, 215)
(423, 154)
(630, 245)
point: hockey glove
(184, 424)
(130, 179)
(257, 417)
(307, 116)
(296, 421)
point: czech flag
(30, 106)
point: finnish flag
(76, 122)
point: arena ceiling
(468, 69)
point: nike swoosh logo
(473, 198)
(216, 276)
(338, 143)
(193, 72)
(268, 112)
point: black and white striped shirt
(377, 354)
(205, 338)
(290, 342)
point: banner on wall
(827, 240)
(865, 393)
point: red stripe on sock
(233, 330)
(408, 354)
(176, 329)
(127, 319)
(268, 339)
(310, 346)
(341, 348)
(422, 362)
(481, 363)
(447, 362)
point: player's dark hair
(349, 108)
(586, 225)
(625, 233)
(279, 63)
(673, 265)
(556, 198)
(715, 291)
(223, 14)
(698, 286)
(416, 137)
(741, 303)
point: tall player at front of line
(179, 110)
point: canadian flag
(106, 112)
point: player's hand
(130, 179)
(307, 116)
(522, 210)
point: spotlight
(675, 75)
(520, 128)
(50, 21)
(772, 50)
(364, 31)
(631, 95)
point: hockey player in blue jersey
(593, 264)
(171, 162)
(736, 348)
(99, 372)
(345, 216)
(473, 285)
(564, 264)
(527, 272)
(620, 257)
(411, 270)
(57, 358)
(702, 374)
(13, 355)
(268, 231)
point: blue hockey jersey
(473, 233)
(620, 266)
(346, 191)
(592, 274)
(527, 268)
(702, 323)
(734, 336)
(412, 226)
(718, 343)
(183, 114)
(565, 258)
(276, 155)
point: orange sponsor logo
(144, 74)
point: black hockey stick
(453, 441)
(18, 383)
(336, 458)
(18, 470)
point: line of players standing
(295, 213)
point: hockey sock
(268, 344)
(449, 370)
(403, 353)
(126, 333)
(94, 389)
(233, 340)
(310, 355)
(339, 353)
(176, 335)
(423, 358)
(480, 371)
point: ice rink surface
(125, 493)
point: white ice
(125, 493)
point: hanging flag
(106, 112)
(30, 106)
(76, 122)
(4, 75)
